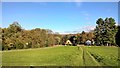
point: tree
(118, 37)
(14, 27)
(79, 38)
(73, 39)
(83, 37)
(110, 31)
(57, 39)
(105, 31)
(98, 31)
(64, 39)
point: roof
(68, 42)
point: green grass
(106, 56)
(56, 56)
(62, 56)
(88, 59)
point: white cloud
(85, 28)
(88, 28)
(79, 30)
(69, 32)
(117, 24)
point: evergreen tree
(105, 31)
(118, 37)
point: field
(62, 56)
(106, 56)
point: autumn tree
(83, 37)
(14, 37)
(14, 27)
(57, 40)
(64, 39)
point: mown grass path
(88, 60)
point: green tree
(118, 37)
(98, 31)
(105, 31)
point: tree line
(14, 37)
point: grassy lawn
(88, 59)
(56, 56)
(106, 56)
(62, 56)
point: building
(68, 42)
(88, 42)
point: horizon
(61, 17)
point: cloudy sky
(62, 17)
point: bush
(19, 45)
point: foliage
(105, 31)
(14, 37)
(22, 39)
(118, 37)
(79, 38)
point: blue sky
(62, 17)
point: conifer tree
(105, 31)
